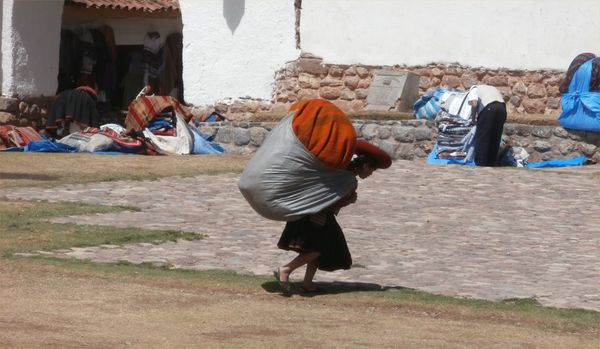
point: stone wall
(525, 92)
(414, 139)
(26, 112)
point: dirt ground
(45, 305)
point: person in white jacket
(488, 105)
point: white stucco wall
(232, 48)
(518, 34)
(30, 36)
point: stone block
(347, 95)
(509, 129)
(8, 104)
(536, 91)
(403, 134)
(389, 87)
(519, 88)
(362, 72)
(224, 135)
(561, 132)
(308, 81)
(364, 83)
(257, 136)
(415, 123)
(389, 148)
(587, 149)
(534, 106)
(542, 146)
(331, 81)
(542, 131)
(351, 71)
(405, 152)
(451, 81)
(23, 108)
(308, 94)
(361, 93)
(515, 100)
(312, 66)
(370, 131)
(336, 71)
(566, 147)
(384, 133)
(351, 82)
(7, 118)
(423, 134)
(330, 92)
(500, 80)
(469, 80)
(241, 136)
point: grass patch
(25, 228)
(47, 170)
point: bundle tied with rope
(301, 167)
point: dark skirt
(307, 235)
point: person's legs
(499, 113)
(311, 269)
(483, 132)
(300, 260)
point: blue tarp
(558, 162)
(47, 146)
(432, 159)
(203, 146)
(578, 161)
(581, 108)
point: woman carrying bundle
(318, 238)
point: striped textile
(145, 109)
(325, 131)
(428, 106)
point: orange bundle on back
(325, 131)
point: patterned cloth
(574, 66)
(325, 131)
(144, 109)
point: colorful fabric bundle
(145, 109)
(574, 66)
(13, 136)
(325, 131)
(428, 106)
(580, 105)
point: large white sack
(181, 144)
(87, 142)
(284, 181)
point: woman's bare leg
(300, 260)
(311, 269)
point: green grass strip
(25, 228)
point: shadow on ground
(33, 176)
(325, 288)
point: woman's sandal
(285, 285)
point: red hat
(381, 158)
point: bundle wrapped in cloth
(300, 169)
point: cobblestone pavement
(460, 231)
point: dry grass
(51, 305)
(47, 169)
